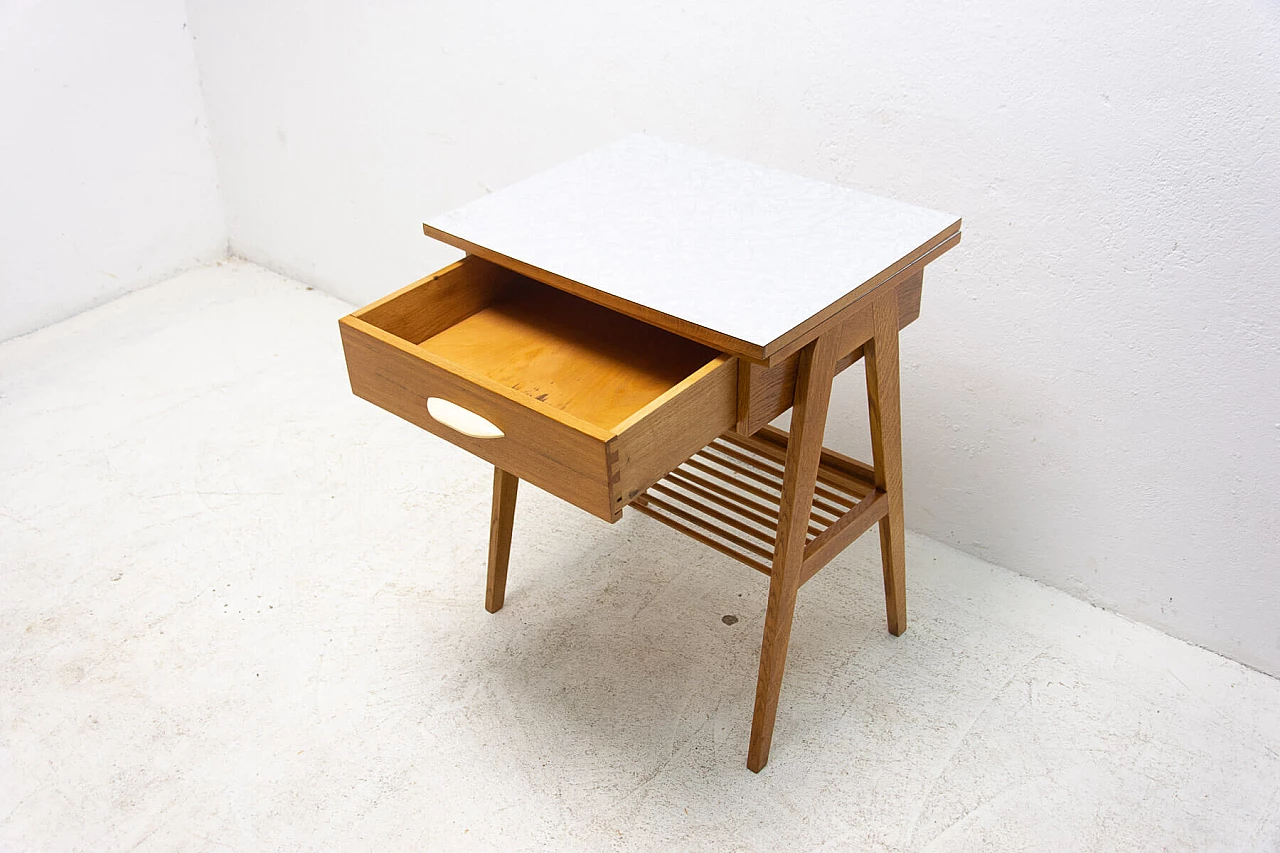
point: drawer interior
(590, 362)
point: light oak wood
(886, 448)
(731, 490)
(672, 428)
(764, 517)
(593, 406)
(563, 457)
(440, 300)
(704, 465)
(501, 522)
(642, 505)
(830, 542)
(843, 472)
(823, 490)
(746, 499)
(653, 501)
(656, 418)
(452, 294)
(743, 504)
(824, 500)
(828, 506)
(804, 456)
(779, 503)
(719, 499)
(763, 533)
(587, 361)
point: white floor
(241, 609)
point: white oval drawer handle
(455, 417)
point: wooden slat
(735, 483)
(765, 536)
(641, 505)
(763, 519)
(769, 450)
(851, 474)
(682, 475)
(741, 451)
(698, 463)
(762, 514)
(691, 518)
(830, 508)
(827, 490)
(854, 468)
(847, 528)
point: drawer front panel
(683, 425)
(551, 455)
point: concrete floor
(241, 609)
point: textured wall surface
(1092, 394)
(108, 180)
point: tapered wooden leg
(886, 447)
(500, 523)
(804, 452)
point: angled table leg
(501, 521)
(804, 453)
(881, 355)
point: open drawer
(586, 403)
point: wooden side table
(624, 328)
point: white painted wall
(1092, 394)
(107, 180)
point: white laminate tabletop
(746, 251)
